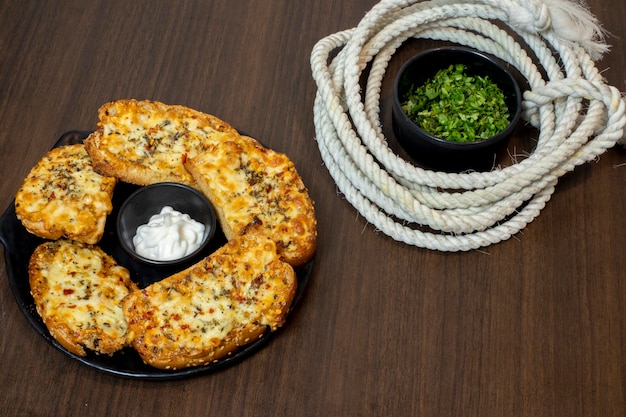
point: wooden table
(532, 326)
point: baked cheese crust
(78, 290)
(196, 316)
(207, 311)
(144, 142)
(246, 181)
(63, 196)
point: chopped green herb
(458, 107)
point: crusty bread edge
(60, 331)
(184, 358)
(108, 164)
(202, 183)
(205, 118)
(40, 229)
(306, 249)
(236, 339)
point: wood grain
(534, 326)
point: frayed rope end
(569, 20)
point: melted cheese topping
(63, 196)
(78, 290)
(241, 284)
(247, 181)
(157, 136)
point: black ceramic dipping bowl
(441, 154)
(149, 200)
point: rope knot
(530, 15)
(543, 21)
(569, 20)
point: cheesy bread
(63, 196)
(78, 290)
(144, 142)
(246, 181)
(207, 311)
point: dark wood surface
(533, 326)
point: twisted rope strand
(578, 116)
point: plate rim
(27, 307)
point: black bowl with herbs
(454, 108)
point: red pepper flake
(68, 291)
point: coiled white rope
(578, 116)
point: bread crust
(63, 197)
(227, 300)
(78, 290)
(144, 142)
(207, 311)
(247, 182)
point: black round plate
(19, 244)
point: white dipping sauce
(168, 236)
